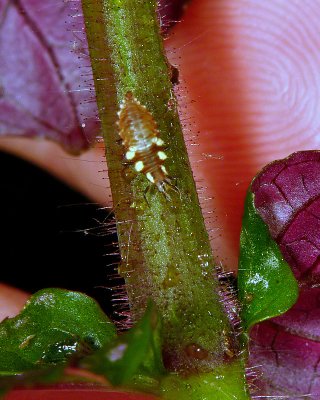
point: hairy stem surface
(164, 245)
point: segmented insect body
(140, 137)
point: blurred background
(51, 236)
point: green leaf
(133, 358)
(53, 325)
(267, 287)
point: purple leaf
(287, 196)
(289, 363)
(46, 79)
(287, 349)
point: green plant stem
(164, 245)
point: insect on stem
(144, 147)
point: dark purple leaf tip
(287, 197)
(46, 87)
(170, 12)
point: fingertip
(249, 87)
(11, 301)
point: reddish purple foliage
(289, 363)
(287, 196)
(287, 348)
(46, 79)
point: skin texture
(249, 85)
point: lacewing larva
(144, 147)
